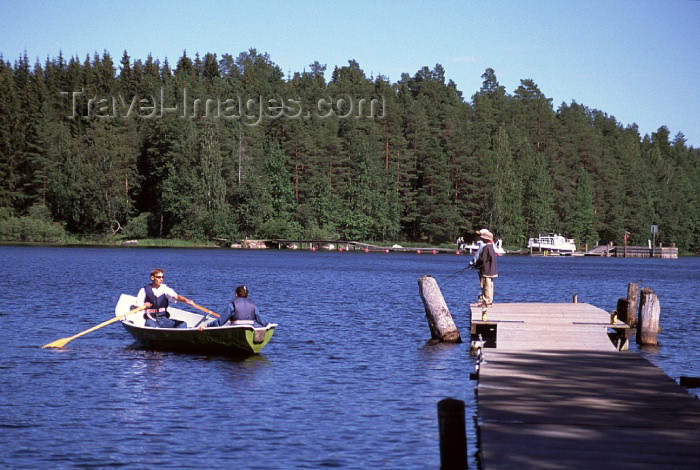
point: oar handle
(137, 309)
(208, 312)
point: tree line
(229, 147)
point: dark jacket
(487, 263)
(239, 308)
(243, 309)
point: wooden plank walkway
(527, 326)
(556, 394)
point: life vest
(243, 309)
(159, 305)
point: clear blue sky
(636, 60)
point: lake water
(349, 379)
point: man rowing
(156, 297)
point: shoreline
(263, 245)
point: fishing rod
(454, 275)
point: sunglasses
(158, 277)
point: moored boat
(552, 244)
(474, 247)
(229, 339)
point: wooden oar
(59, 343)
(206, 310)
(209, 312)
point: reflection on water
(350, 379)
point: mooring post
(621, 310)
(648, 323)
(632, 294)
(453, 435)
(442, 327)
(689, 382)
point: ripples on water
(349, 379)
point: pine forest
(232, 147)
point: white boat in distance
(474, 247)
(552, 243)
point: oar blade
(59, 343)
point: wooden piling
(648, 322)
(689, 382)
(442, 327)
(630, 316)
(621, 310)
(453, 436)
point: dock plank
(547, 446)
(556, 393)
(526, 326)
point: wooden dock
(555, 392)
(349, 245)
(666, 252)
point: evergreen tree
(305, 156)
(507, 212)
(538, 199)
(10, 140)
(490, 108)
(371, 212)
(280, 220)
(582, 223)
(533, 112)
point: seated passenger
(241, 311)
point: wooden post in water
(621, 310)
(442, 327)
(689, 382)
(649, 310)
(453, 435)
(629, 315)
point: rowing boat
(229, 339)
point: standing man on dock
(487, 265)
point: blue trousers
(164, 322)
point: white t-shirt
(162, 290)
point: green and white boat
(228, 339)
